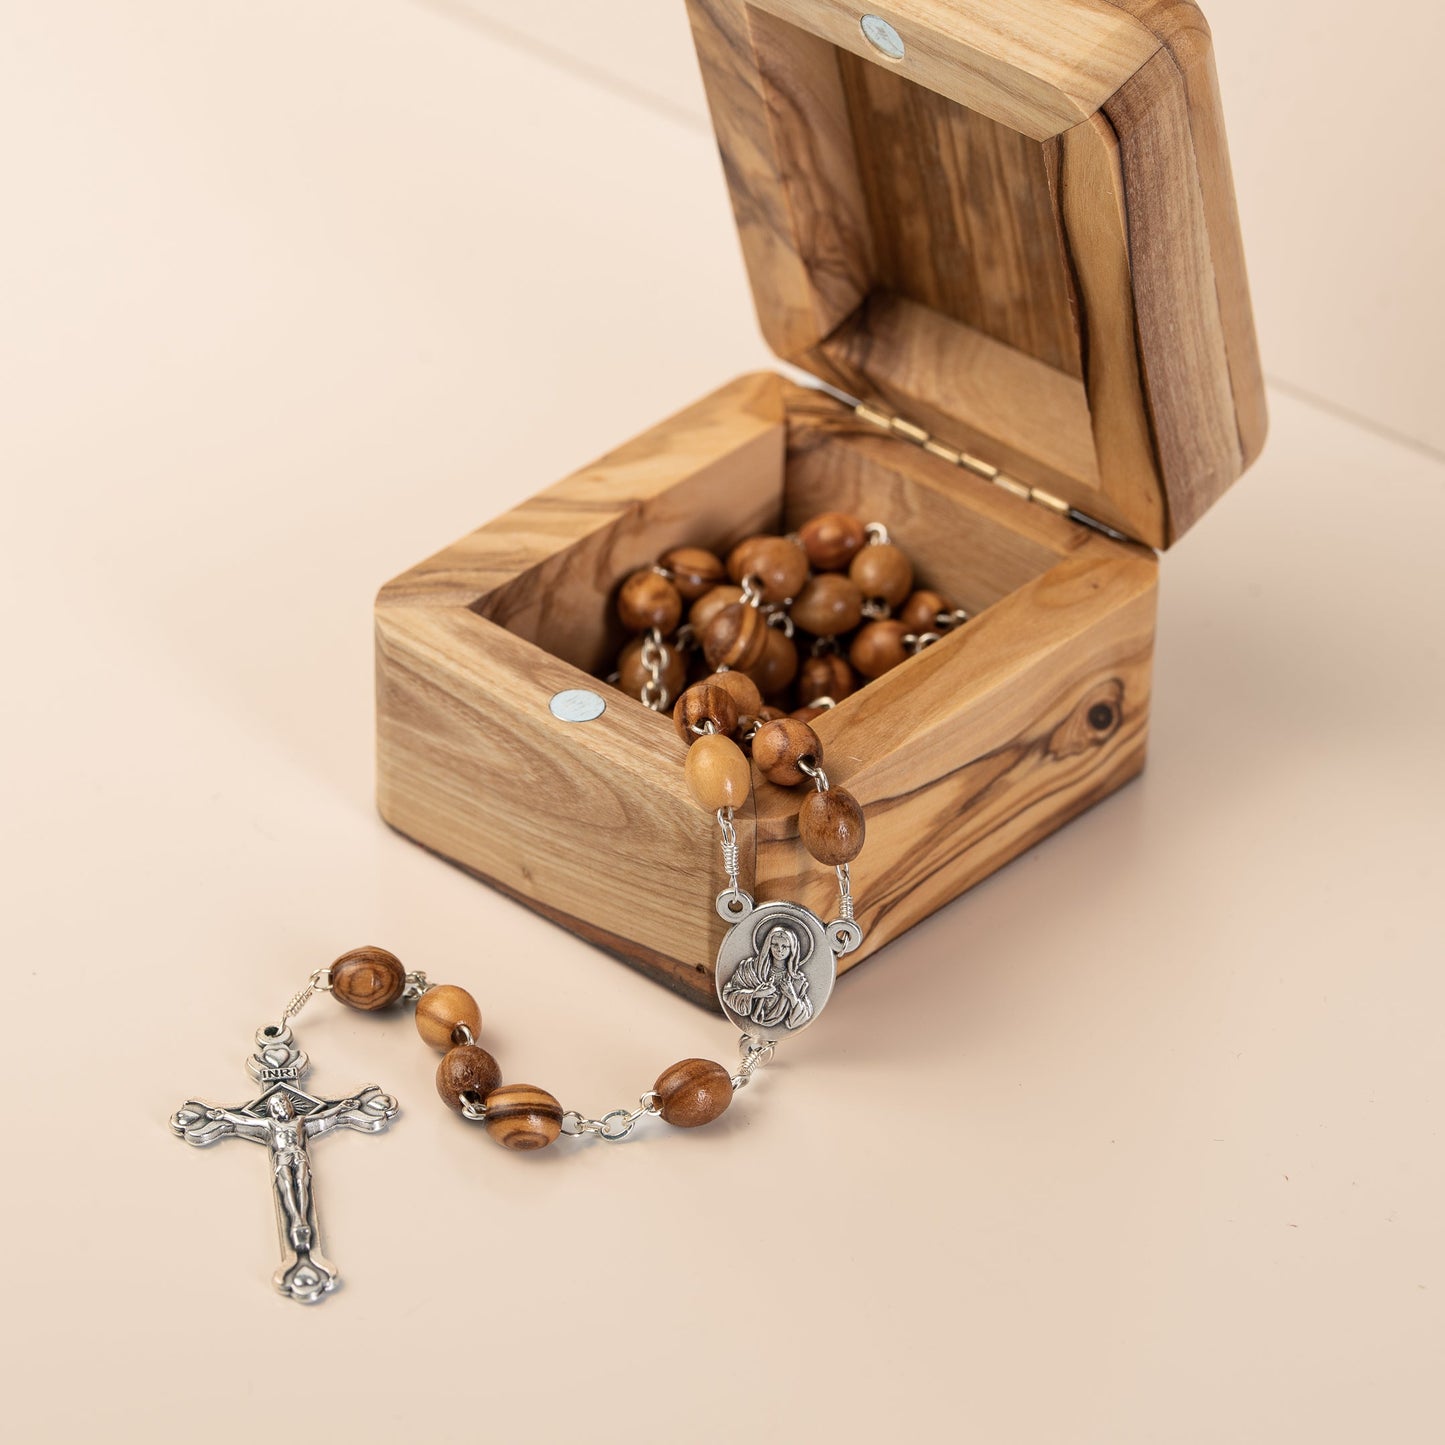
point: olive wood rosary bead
(648, 600)
(368, 979)
(466, 1072)
(693, 1092)
(778, 747)
(694, 570)
(832, 539)
(441, 1011)
(521, 1116)
(831, 826)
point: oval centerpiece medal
(775, 970)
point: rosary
(842, 584)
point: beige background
(1138, 1142)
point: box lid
(1009, 222)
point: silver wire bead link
(615, 1125)
(875, 609)
(876, 533)
(915, 642)
(473, 1107)
(654, 694)
(417, 983)
(811, 770)
(755, 1053)
(777, 616)
(732, 903)
(752, 591)
(319, 982)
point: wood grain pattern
(960, 761)
(1034, 253)
(961, 214)
(1037, 66)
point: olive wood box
(1004, 233)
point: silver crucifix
(284, 1118)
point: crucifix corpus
(284, 1118)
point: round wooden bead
(521, 1116)
(778, 746)
(777, 666)
(882, 570)
(831, 826)
(829, 603)
(693, 1092)
(827, 675)
(694, 570)
(705, 702)
(780, 566)
(735, 637)
(368, 979)
(717, 773)
(831, 540)
(466, 1069)
(878, 647)
(920, 612)
(442, 1010)
(743, 689)
(632, 676)
(648, 599)
(710, 604)
(807, 714)
(767, 713)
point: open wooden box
(1015, 248)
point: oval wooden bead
(878, 647)
(827, 675)
(831, 826)
(710, 604)
(368, 979)
(717, 773)
(705, 702)
(920, 612)
(442, 1010)
(735, 637)
(829, 604)
(777, 666)
(882, 570)
(831, 539)
(778, 746)
(693, 1092)
(779, 565)
(466, 1069)
(694, 570)
(743, 689)
(632, 675)
(648, 599)
(522, 1116)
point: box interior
(955, 531)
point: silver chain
(615, 1125)
(654, 694)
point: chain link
(417, 983)
(654, 693)
(616, 1124)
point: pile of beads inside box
(805, 618)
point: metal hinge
(910, 432)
